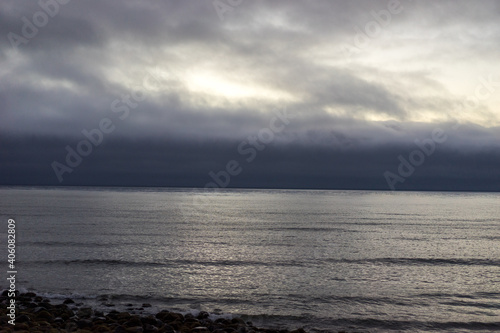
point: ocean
(323, 260)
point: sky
(386, 95)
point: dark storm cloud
(173, 162)
(217, 82)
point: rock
(120, 329)
(133, 321)
(101, 328)
(169, 317)
(43, 324)
(167, 329)
(68, 301)
(151, 321)
(60, 307)
(23, 319)
(84, 323)
(84, 313)
(230, 330)
(66, 314)
(99, 321)
(21, 326)
(184, 329)
(41, 316)
(202, 315)
(31, 305)
(71, 326)
(38, 309)
(45, 315)
(23, 299)
(148, 328)
(193, 322)
(123, 316)
(146, 305)
(176, 324)
(222, 321)
(238, 321)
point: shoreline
(37, 314)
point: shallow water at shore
(325, 260)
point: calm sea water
(325, 260)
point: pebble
(36, 314)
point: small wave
(55, 295)
(163, 263)
(419, 261)
(442, 295)
(107, 262)
(290, 263)
(76, 244)
(490, 237)
(473, 304)
(75, 296)
(310, 229)
(371, 323)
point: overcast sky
(333, 93)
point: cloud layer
(363, 80)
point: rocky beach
(37, 314)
